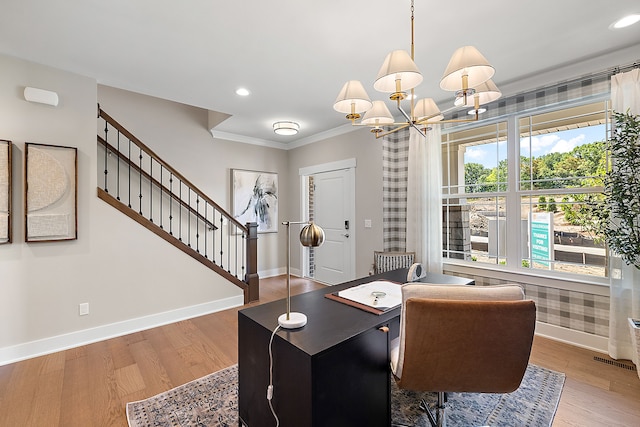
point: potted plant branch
(622, 190)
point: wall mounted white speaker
(41, 96)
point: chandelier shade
(398, 73)
(466, 61)
(379, 114)
(352, 98)
(427, 110)
(485, 93)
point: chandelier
(468, 75)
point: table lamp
(310, 236)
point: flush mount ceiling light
(625, 21)
(241, 91)
(467, 75)
(286, 128)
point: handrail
(139, 175)
(156, 182)
(130, 136)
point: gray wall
(361, 145)
(179, 134)
(131, 279)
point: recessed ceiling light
(625, 21)
(480, 111)
(241, 91)
(286, 128)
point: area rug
(213, 401)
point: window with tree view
(524, 199)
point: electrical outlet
(367, 223)
(83, 309)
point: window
(517, 192)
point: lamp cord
(270, 387)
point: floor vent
(614, 363)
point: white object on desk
(369, 294)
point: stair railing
(140, 184)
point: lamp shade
(485, 92)
(352, 93)
(311, 235)
(466, 60)
(397, 65)
(379, 114)
(426, 108)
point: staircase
(148, 190)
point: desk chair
(387, 261)
(462, 339)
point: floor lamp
(310, 236)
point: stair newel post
(252, 278)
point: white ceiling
(294, 55)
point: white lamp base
(296, 320)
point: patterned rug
(213, 401)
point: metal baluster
(171, 203)
(106, 154)
(243, 254)
(236, 268)
(129, 161)
(150, 188)
(161, 200)
(189, 219)
(206, 226)
(221, 243)
(213, 237)
(229, 254)
(140, 180)
(197, 223)
(180, 218)
(118, 169)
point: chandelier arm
(410, 122)
(402, 124)
(381, 134)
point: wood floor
(90, 385)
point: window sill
(590, 285)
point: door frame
(350, 166)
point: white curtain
(625, 279)
(424, 198)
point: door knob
(346, 235)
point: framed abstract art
(254, 196)
(6, 148)
(50, 193)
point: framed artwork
(254, 198)
(51, 193)
(5, 191)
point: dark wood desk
(332, 372)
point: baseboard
(87, 336)
(572, 337)
(272, 273)
(279, 272)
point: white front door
(333, 211)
